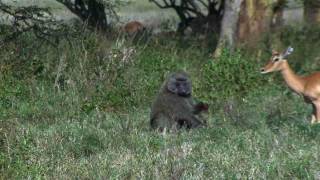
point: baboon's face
(180, 84)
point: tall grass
(81, 110)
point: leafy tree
(34, 19)
(233, 21)
(199, 15)
(94, 12)
(41, 22)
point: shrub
(231, 75)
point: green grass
(81, 110)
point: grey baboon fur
(174, 107)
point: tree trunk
(245, 21)
(97, 16)
(92, 11)
(312, 11)
(255, 18)
(228, 26)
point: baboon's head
(179, 83)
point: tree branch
(31, 19)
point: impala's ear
(287, 52)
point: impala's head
(276, 61)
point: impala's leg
(317, 104)
(314, 113)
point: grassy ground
(81, 110)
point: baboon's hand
(190, 122)
(201, 106)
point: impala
(307, 86)
(133, 28)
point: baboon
(174, 107)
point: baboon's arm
(190, 121)
(199, 107)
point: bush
(231, 75)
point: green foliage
(305, 41)
(231, 75)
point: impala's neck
(294, 81)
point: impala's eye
(276, 59)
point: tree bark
(92, 11)
(312, 11)
(255, 18)
(245, 21)
(97, 16)
(229, 23)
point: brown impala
(133, 28)
(307, 86)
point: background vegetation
(80, 109)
